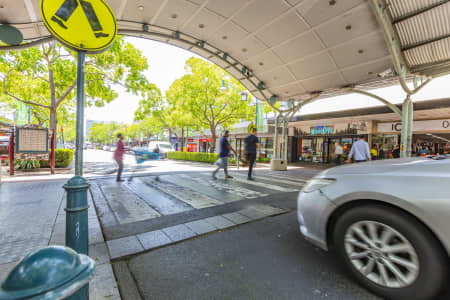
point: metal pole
(286, 139)
(76, 188)
(11, 151)
(275, 141)
(405, 125)
(410, 128)
(283, 138)
(80, 115)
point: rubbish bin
(55, 272)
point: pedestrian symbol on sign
(67, 9)
(84, 25)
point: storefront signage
(190, 140)
(321, 130)
(205, 140)
(429, 125)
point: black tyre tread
(433, 268)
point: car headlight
(317, 183)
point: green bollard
(50, 273)
(77, 236)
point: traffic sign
(251, 128)
(80, 24)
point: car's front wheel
(391, 253)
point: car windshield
(165, 146)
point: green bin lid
(54, 272)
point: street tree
(104, 133)
(157, 113)
(198, 95)
(45, 76)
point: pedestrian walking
(396, 152)
(118, 157)
(251, 146)
(338, 151)
(423, 151)
(360, 151)
(374, 152)
(224, 153)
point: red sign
(190, 140)
(205, 140)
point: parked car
(106, 148)
(160, 147)
(389, 221)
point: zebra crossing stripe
(264, 185)
(298, 184)
(227, 187)
(288, 178)
(191, 197)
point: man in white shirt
(338, 151)
(360, 151)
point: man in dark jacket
(251, 146)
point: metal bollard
(77, 236)
(55, 272)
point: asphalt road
(262, 260)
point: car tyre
(431, 275)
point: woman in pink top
(118, 156)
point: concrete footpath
(32, 217)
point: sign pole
(76, 188)
(80, 114)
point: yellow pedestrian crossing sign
(251, 128)
(85, 25)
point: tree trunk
(213, 138)
(53, 120)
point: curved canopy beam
(27, 45)
(387, 103)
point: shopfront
(204, 145)
(432, 135)
(316, 143)
(191, 145)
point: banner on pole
(260, 117)
(22, 113)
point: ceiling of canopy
(290, 49)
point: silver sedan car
(389, 221)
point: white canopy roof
(290, 49)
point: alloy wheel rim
(381, 254)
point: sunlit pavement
(180, 234)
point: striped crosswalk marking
(287, 178)
(228, 187)
(241, 178)
(297, 185)
(127, 206)
(191, 197)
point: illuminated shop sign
(321, 130)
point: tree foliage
(45, 77)
(196, 101)
(104, 133)
(199, 95)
